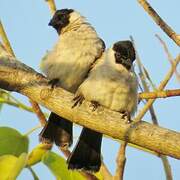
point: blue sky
(26, 25)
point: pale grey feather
(111, 85)
(72, 56)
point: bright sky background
(26, 25)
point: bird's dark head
(60, 19)
(124, 53)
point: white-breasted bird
(67, 65)
(111, 83)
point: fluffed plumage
(111, 83)
(69, 62)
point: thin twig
(7, 45)
(160, 22)
(166, 165)
(19, 105)
(146, 74)
(143, 77)
(11, 103)
(143, 73)
(32, 130)
(33, 173)
(38, 112)
(5, 40)
(121, 161)
(105, 172)
(160, 88)
(52, 6)
(159, 94)
(169, 56)
(170, 73)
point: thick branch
(15, 76)
(7, 45)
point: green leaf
(11, 166)
(18, 166)
(7, 163)
(12, 142)
(58, 167)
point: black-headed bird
(111, 83)
(67, 65)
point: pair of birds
(80, 64)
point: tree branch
(5, 39)
(165, 162)
(160, 88)
(38, 112)
(35, 106)
(105, 172)
(52, 6)
(16, 76)
(160, 22)
(159, 94)
(169, 56)
(120, 161)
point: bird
(67, 65)
(111, 83)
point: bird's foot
(95, 105)
(126, 115)
(53, 82)
(78, 100)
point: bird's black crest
(124, 53)
(60, 19)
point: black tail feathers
(58, 130)
(87, 153)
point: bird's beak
(51, 23)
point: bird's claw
(126, 115)
(95, 105)
(78, 100)
(53, 82)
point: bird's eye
(118, 55)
